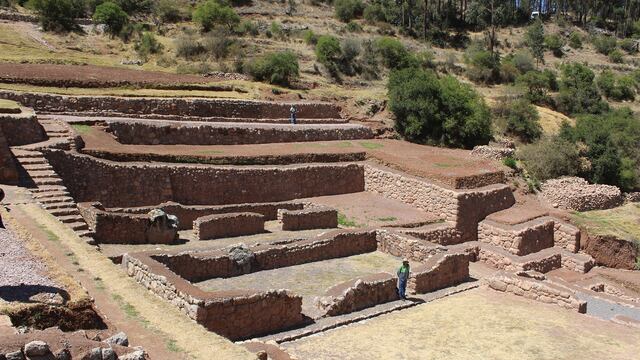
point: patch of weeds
(99, 283)
(210, 152)
(81, 129)
(370, 145)
(343, 220)
(80, 270)
(344, 144)
(444, 165)
(69, 254)
(172, 346)
(389, 218)
(510, 162)
(75, 262)
(51, 236)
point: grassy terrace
(622, 222)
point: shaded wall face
(123, 185)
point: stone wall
(496, 257)
(156, 132)
(465, 208)
(566, 236)
(201, 266)
(179, 107)
(310, 218)
(358, 294)
(439, 272)
(22, 129)
(444, 233)
(580, 263)
(228, 225)
(134, 184)
(572, 193)
(520, 239)
(537, 290)
(401, 245)
(235, 314)
(187, 214)
(122, 228)
(8, 169)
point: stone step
(70, 219)
(49, 191)
(42, 174)
(77, 226)
(54, 199)
(23, 154)
(85, 233)
(542, 261)
(33, 161)
(37, 167)
(66, 211)
(59, 205)
(443, 233)
(48, 181)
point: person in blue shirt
(403, 277)
(293, 118)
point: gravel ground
(607, 310)
(22, 275)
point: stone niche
(228, 225)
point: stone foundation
(228, 225)
(440, 271)
(537, 290)
(542, 261)
(398, 244)
(358, 294)
(22, 129)
(311, 218)
(573, 193)
(520, 239)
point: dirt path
(161, 329)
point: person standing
(293, 110)
(403, 277)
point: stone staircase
(44, 183)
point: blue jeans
(402, 288)
(293, 119)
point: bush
(310, 38)
(629, 45)
(482, 66)
(248, 27)
(168, 12)
(523, 60)
(437, 111)
(279, 68)
(374, 13)
(522, 120)
(604, 44)
(550, 158)
(58, 15)
(510, 162)
(112, 16)
(575, 40)
(215, 12)
(353, 26)
(508, 72)
(275, 29)
(554, 43)
(578, 92)
(328, 49)
(347, 10)
(393, 53)
(148, 44)
(188, 47)
(616, 56)
(217, 43)
(616, 88)
(536, 85)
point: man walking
(293, 112)
(403, 277)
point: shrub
(522, 120)
(508, 72)
(554, 43)
(199, 68)
(616, 56)
(523, 60)
(482, 66)
(310, 38)
(58, 15)
(575, 40)
(167, 11)
(550, 158)
(616, 88)
(578, 92)
(328, 49)
(112, 16)
(437, 111)
(629, 45)
(536, 85)
(510, 162)
(148, 44)
(347, 10)
(604, 44)
(353, 26)
(188, 47)
(374, 13)
(217, 43)
(248, 27)
(393, 53)
(215, 12)
(279, 68)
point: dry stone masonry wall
(572, 193)
(440, 271)
(309, 218)
(228, 225)
(358, 294)
(519, 239)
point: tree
(279, 68)
(551, 158)
(394, 54)
(554, 43)
(58, 15)
(535, 40)
(437, 111)
(112, 16)
(215, 12)
(578, 92)
(522, 120)
(328, 49)
(347, 10)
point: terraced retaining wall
(438, 272)
(463, 207)
(400, 245)
(537, 290)
(234, 314)
(23, 129)
(8, 169)
(180, 107)
(201, 266)
(358, 294)
(306, 219)
(121, 185)
(519, 239)
(228, 225)
(156, 132)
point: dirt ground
(478, 324)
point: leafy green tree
(522, 120)
(578, 92)
(554, 43)
(280, 68)
(328, 49)
(535, 40)
(536, 85)
(347, 10)
(112, 16)
(58, 15)
(393, 53)
(437, 111)
(616, 87)
(215, 12)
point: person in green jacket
(403, 277)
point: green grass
(172, 346)
(370, 145)
(343, 220)
(621, 222)
(210, 152)
(51, 236)
(344, 144)
(9, 106)
(389, 218)
(81, 129)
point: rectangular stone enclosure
(228, 225)
(307, 219)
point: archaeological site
(160, 214)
